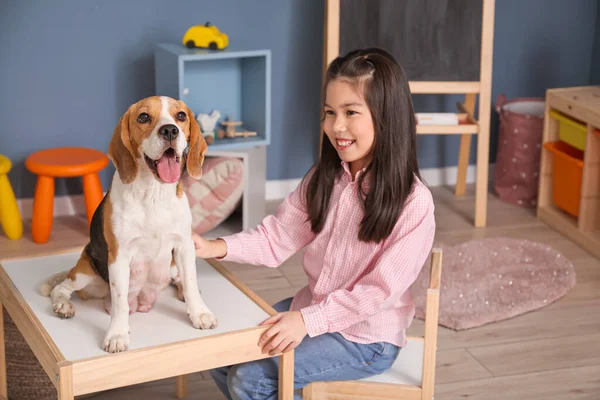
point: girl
(368, 222)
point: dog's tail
(49, 284)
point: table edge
(5, 280)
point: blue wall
(69, 69)
(595, 70)
(63, 82)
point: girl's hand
(285, 335)
(209, 248)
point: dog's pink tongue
(168, 169)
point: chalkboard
(434, 40)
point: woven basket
(26, 378)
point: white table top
(81, 336)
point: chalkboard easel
(445, 47)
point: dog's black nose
(168, 132)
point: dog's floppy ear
(196, 148)
(120, 151)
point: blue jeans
(327, 357)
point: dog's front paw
(116, 342)
(205, 320)
(64, 309)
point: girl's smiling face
(348, 123)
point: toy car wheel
(190, 44)
(212, 46)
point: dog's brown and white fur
(140, 236)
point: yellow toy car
(205, 36)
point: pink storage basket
(516, 174)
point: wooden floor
(550, 354)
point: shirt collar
(348, 174)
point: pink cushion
(217, 194)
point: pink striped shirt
(355, 288)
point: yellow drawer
(570, 131)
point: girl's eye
(350, 112)
(329, 112)
(181, 116)
(143, 118)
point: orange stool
(63, 162)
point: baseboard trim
(63, 205)
(274, 190)
(278, 189)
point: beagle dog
(140, 234)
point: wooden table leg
(286, 376)
(65, 382)
(181, 386)
(3, 383)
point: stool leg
(43, 209)
(10, 216)
(93, 194)
(464, 150)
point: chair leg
(10, 216)
(43, 209)
(181, 386)
(465, 149)
(463, 164)
(93, 194)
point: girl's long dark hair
(393, 168)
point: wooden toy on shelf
(244, 134)
(230, 127)
(232, 132)
(569, 187)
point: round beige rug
(492, 279)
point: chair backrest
(431, 323)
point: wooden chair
(412, 376)
(471, 89)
